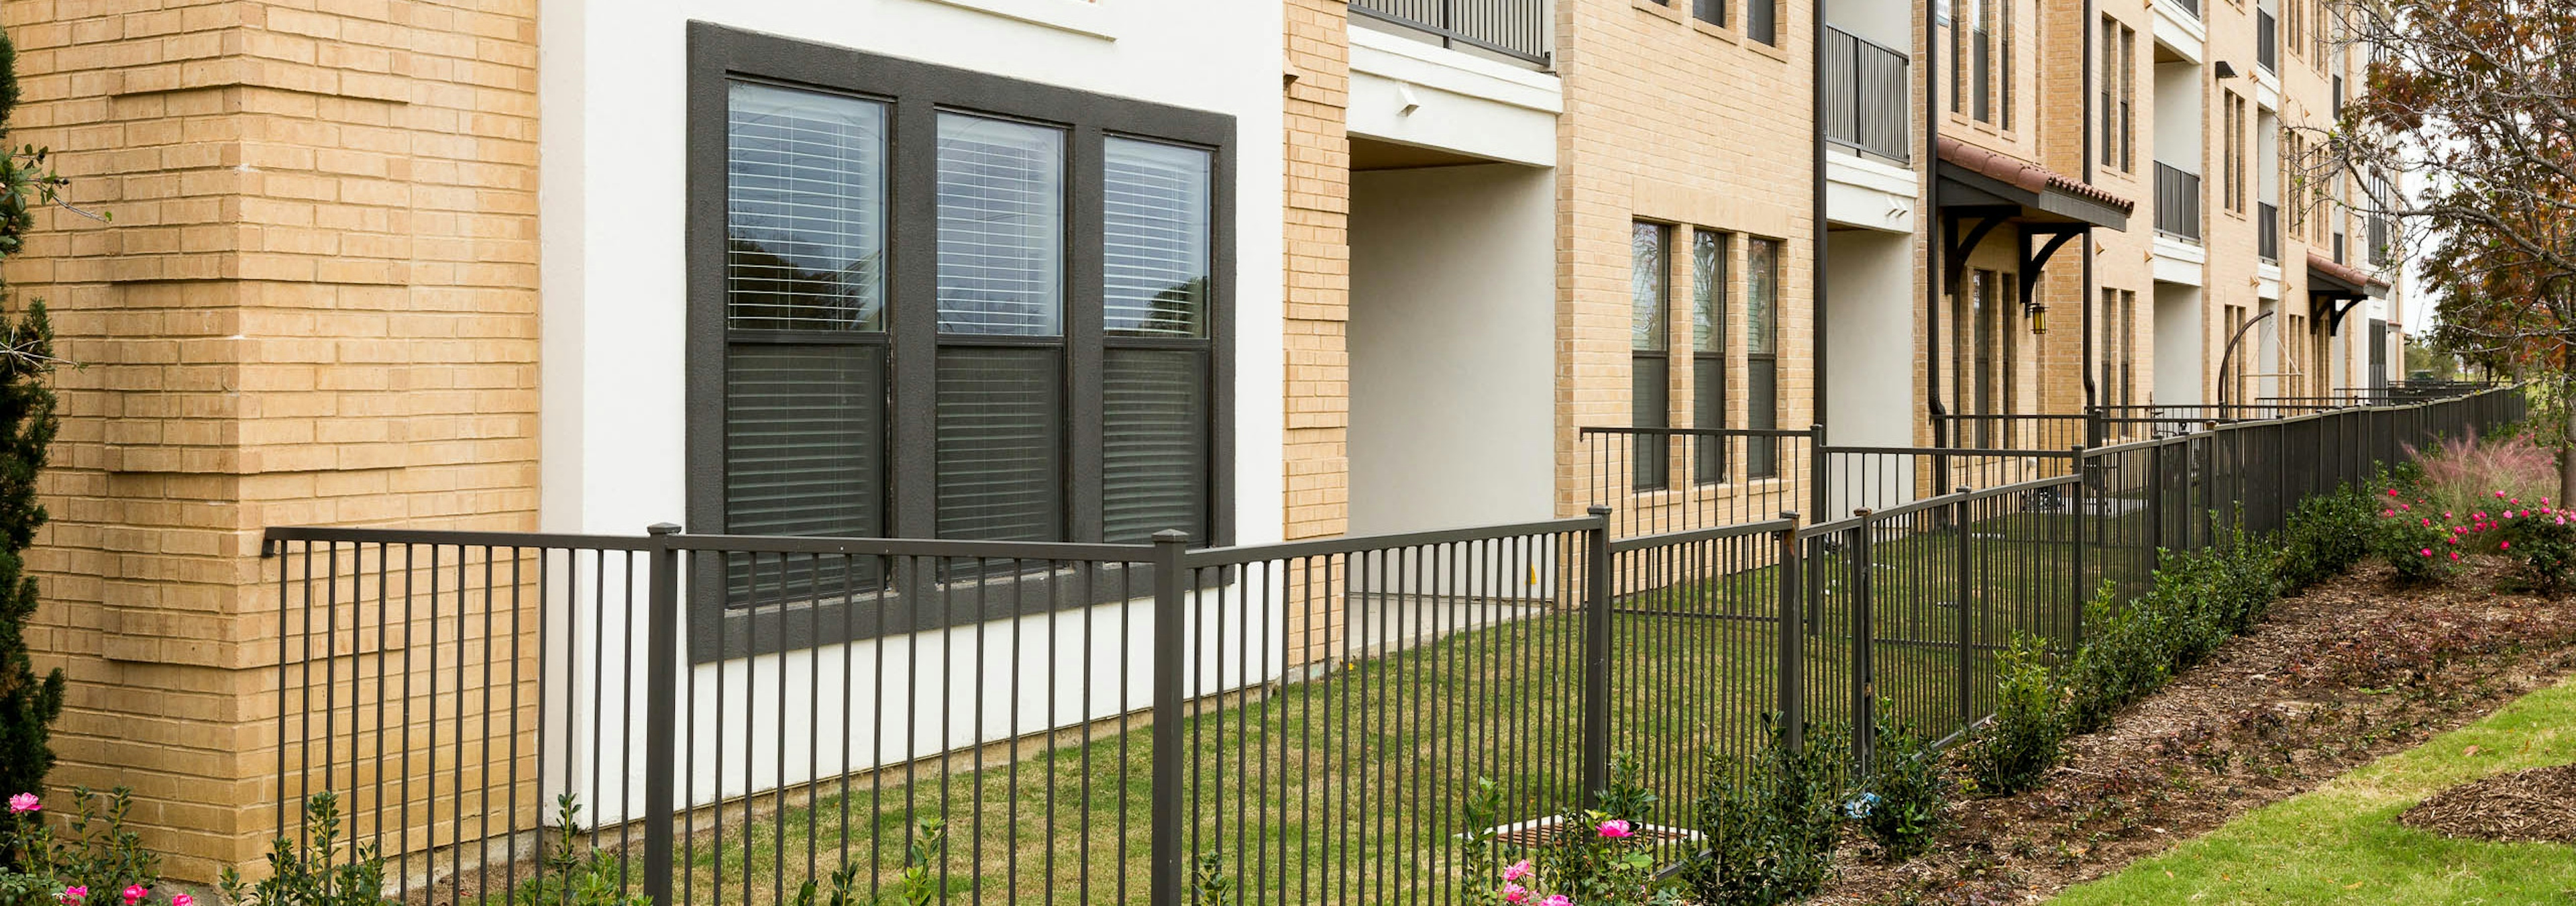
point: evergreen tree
(28, 704)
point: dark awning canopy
(1974, 177)
(2339, 288)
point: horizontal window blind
(1155, 444)
(804, 210)
(1000, 444)
(804, 452)
(1154, 239)
(1001, 227)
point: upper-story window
(926, 302)
(2119, 81)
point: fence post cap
(662, 528)
(1171, 536)
(1597, 510)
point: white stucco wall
(2178, 343)
(2178, 115)
(1887, 22)
(1453, 327)
(1870, 308)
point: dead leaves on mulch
(2534, 806)
(2355, 668)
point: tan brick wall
(1318, 269)
(315, 304)
(1674, 121)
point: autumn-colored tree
(2465, 133)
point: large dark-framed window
(927, 302)
(1761, 354)
(1708, 351)
(1650, 349)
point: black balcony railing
(2267, 231)
(1866, 95)
(1513, 28)
(2177, 202)
(2267, 41)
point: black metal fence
(1311, 722)
(1661, 480)
(1512, 28)
(1866, 96)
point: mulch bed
(2534, 806)
(2358, 667)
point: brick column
(316, 303)
(1318, 269)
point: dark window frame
(915, 94)
(1653, 467)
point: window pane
(1762, 410)
(1646, 293)
(1154, 239)
(804, 210)
(1708, 291)
(1709, 11)
(804, 433)
(1761, 295)
(1001, 227)
(1708, 410)
(1651, 397)
(1154, 438)
(1000, 444)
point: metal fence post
(1863, 628)
(1171, 636)
(1596, 657)
(1959, 518)
(1820, 493)
(2075, 507)
(1793, 643)
(662, 708)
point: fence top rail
(916, 547)
(1954, 498)
(1695, 536)
(1352, 544)
(275, 536)
(1695, 432)
(1954, 451)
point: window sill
(1720, 32)
(1776, 51)
(1667, 12)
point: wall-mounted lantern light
(2038, 318)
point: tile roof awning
(1976, 177)
(2342, 281)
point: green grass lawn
(1351, 788)
(2341, 843)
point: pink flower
(2499, 495)
(2455, 556)
(2392, 492)
(183, 900)
(2406, 508)
(2454, 539)
(134, 893)
(2446, 514)
(2428, 522)
(2387, 513)
(23, 803)
(2516, 501)
(1514, 893)
(2428, 552)
(1615, 829)
(72, 894)
(2504, 545)
(1518, 870)
(1559, 900)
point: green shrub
(1899, 804)
(318, 872)
(2015, 749)
(574, 873)
(2547, 544)
(1770, 821)
(2117, 663)
(1596, 855)
(2327, 534)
